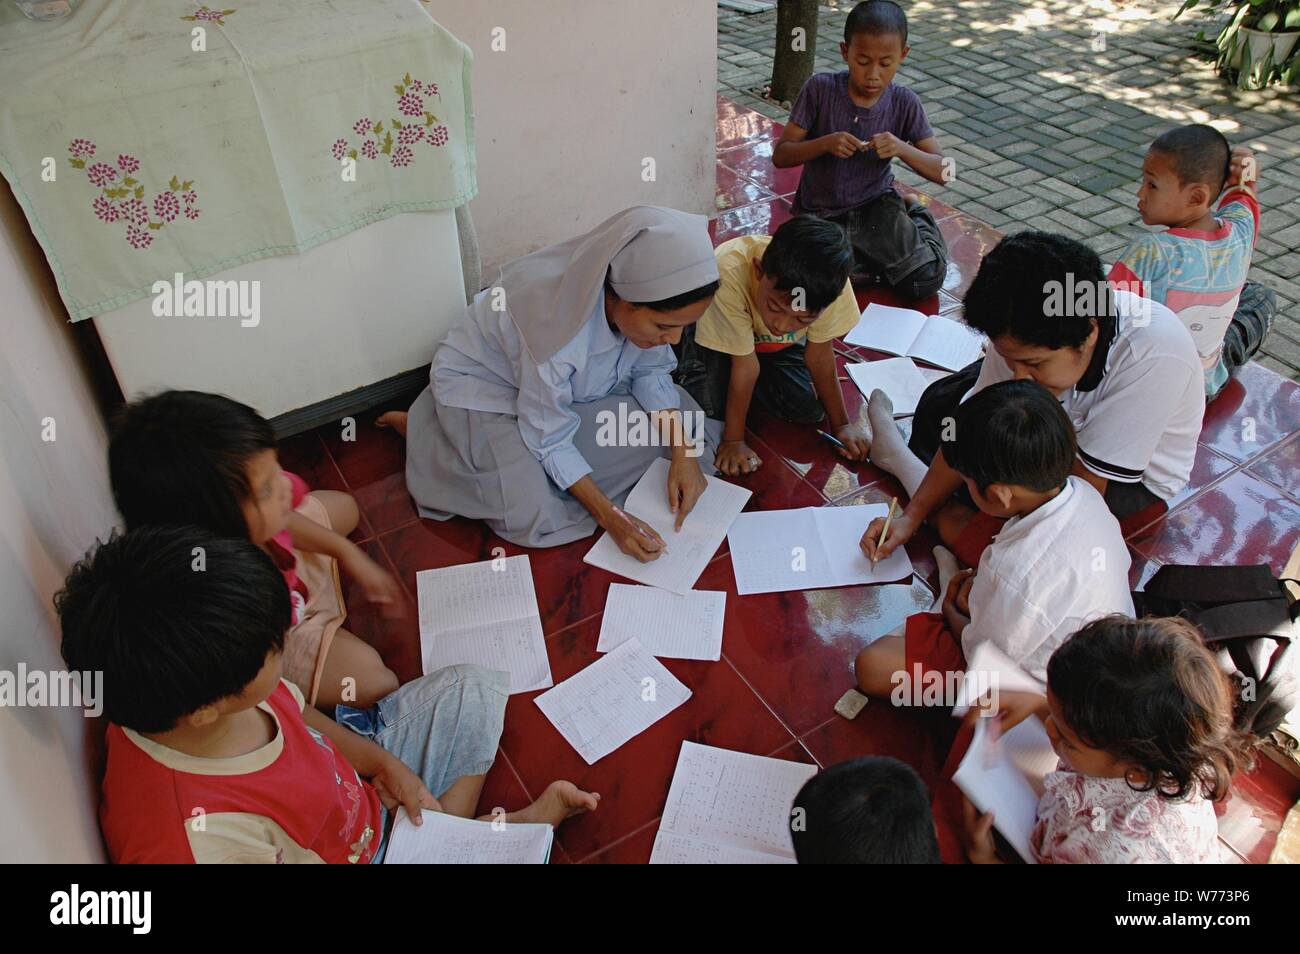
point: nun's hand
(686, 482)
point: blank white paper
(690, 550)
(484, 613)
(728, 807)
(899, 378)
(886, 328)
(671, 625)
(614, 699)
(775, 551)
(450, 840)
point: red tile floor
(787, 656)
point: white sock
(948, 567)
(889, 450)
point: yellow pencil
(884, 531)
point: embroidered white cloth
(149, 137)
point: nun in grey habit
(562, 353)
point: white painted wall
(583, 91)
(54, 502)
(342, 315)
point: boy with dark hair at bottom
(870, 810)
(1198, 265)
(187, 628)
(782, 300)
(1123, 367)
(845, 129)
(1058, 562)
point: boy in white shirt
(1124, 368)
(1058, 562)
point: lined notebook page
(484, 613)
(617, 697)
(677, 626)
(728, 807)
(690, 550)
(445, 839)
(899, 378)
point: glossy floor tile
(787, 657)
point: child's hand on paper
(398, 785)
(1013, 707)
(844, 145)
(854, 438)
(978, 835)
(900, 531)
(736, 458)
(634, 536)
(376, 583)
(686, 484)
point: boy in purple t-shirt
(845, 129)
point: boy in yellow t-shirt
(781, 302)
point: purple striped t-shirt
(830, 185)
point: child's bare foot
(394, 419)
(561, 800)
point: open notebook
(728, 807)
(899, 378)
(445, 839)
(690, 549)
(1004, 773)
(930, 338)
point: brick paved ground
(1049, 133)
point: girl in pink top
(1141, 717)
(186, 457)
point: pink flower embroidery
(166, 206)
(191, 197)
(431, 89)
(101, 174)
(104, 209)
(128, 164)
(134, 210)
(362, 126)
(82, 148)
(138, 237)
(438, 135)
(211, 16)
(191, 212)
(369, 149)
(411, 105)
(410, 134)
(340, 148)
(402, 156)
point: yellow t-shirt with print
(733, 324)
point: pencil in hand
(884, 531)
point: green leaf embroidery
(401, 90)
(139, 192)
(185, 186)
(407, 79)
(388, 144)
(155, 225)
(428, 119)
(226, 13)
(352, 153)
(379, 127)
(128, 181)
(175, 184)
(78, 163)
(191, 19)
(397, 124)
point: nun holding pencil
(514, 427)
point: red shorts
(930, 644)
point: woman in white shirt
(552, 396)
(1124, 368)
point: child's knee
(869, 668)
(374, 684)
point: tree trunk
(796, 47)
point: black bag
(1248, 618)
